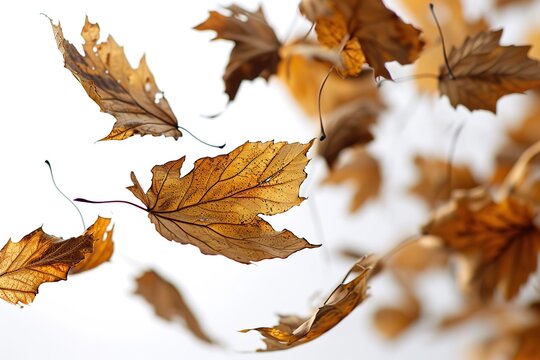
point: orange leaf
(483, 71)
(103, 246)
(499, 240)
(256, 50)
(216, 206)
(168, 303)
(367, 31)
(293, 330)
(36, 259)
(130, 95)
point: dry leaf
(503, 3)
(364, 171)
(348, 126)
(256, 50)
(393, 321)
(293, 331)
(312, 9)
(35, 259)
(415, 257)
(304, 77)
(456, 27)
(216, 206)
(499, 241)
(367, 31)
(168, 303)
(483, 71)
(433, 183)
(130, 95)
(102, 249)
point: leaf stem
(322, 136)
(450, 73)
(109, 202)
(64, 195)
(202, 141)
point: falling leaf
(456, 27)
(130, 95)
(293, 331)
(367, 31)
(103, 246)
(304, 77)
(348, 126)
(216, 206)
(364, 171)
(437, 179)
(499, 240)
(312, 9)
(256, 50)
(503, 3)
(483, 71)
(35, 259)
(168, 303)
(414, 257)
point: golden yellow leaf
(35, 259)
(293, 330)
(482, 71)
(367, 31)
(498, 240)
(436, 180)
(216, 206)
(364, 171)
(130, 95)
(168, 303)
(256, 50)
(103, 246)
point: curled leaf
(168, 303)
(216, 206)
(103, 246)
(130, 95)
(256, 50)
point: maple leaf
(103, 246)
(293, 330)
(498, 240)
(304, 76)
(168, 303)
(349, 126)
(451, 16)
(367, 31)
(215, 207)
(362, 169)
(35, 259)
(130, 95)
(256, 50)
(482, 71)
(433, 184)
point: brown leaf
(456, 27)
(393, 321)
(304, 77)
(130, 95)
(364, 171)
(417, 256)
(256, 50)
(168, 303)
(348, 126)
(499, 240)
(483, 71)
(216, 206)
(102, 249)
(367, 31)
(35, 259)
(503, 3)
(312, 9)
(293, 331)
(433, 183)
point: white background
(47, 115)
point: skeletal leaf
(293, 330)
(130, 95)
(35, 259)
(498, 241)
(103, 246)
(367, 31)
(256, 50)
(482, 71)
(216, 206)
(168, 303)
